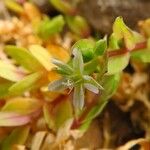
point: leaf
(26, 84)
(63, 6)
(91, 88)
(78, 65)
(49, 118)
(23, 57)
(14, 6)
(110, 83)
(78, 25)
(90, 80)
(38, 140)
(17, 136)
(50, 27)
(9, 72)
(121, 31)
(58, 85)
(117, 63)
(100, 47)
(63, 66)
(4, 88)
(141, 55)
(78, 97)
(63, 112)
(42, 55)
(85, 46)
(9, 119)
(21, 105)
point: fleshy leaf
(26, 84)
(117, 63)
(63, 6)
(78, 97)
(17, 136)
(9, 119)
(4, 88)
(63, 112)
(50, 27)
(21, 105)
(38, 140)
(9, 72)
(49, 118)
(109, 82)
(86, 47)
(58, 85)
(100, 47)
(42, 55)
(23, 57)
(14, 6)
(78, 25)
(121, 31)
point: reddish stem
(124, 50)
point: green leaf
(78, 65)
(91, 88)
(141, 55)
(121, 31)
(23, 57)
(58, 85)
(113, 42)
(9, 119)
(63, 6)
(14, 6)
(42, 55)
(64, 67)
(4, 88)
(110, 83)
(26, 84)
(86, 47)
(100, 47)
(9, 72)
(78, 25)
(78, 97)
(17, 136)
(117, 63)
(63, 112)
(49, 27)
(21, 105)
(49, 118)
(91, 66)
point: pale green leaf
(17, 136)
(50, 27)
(63, 112)
(49, 118)
(23, 57)
(121, 31)
(117, 63)
(42, 55)
(21, 105)
(26, 84)
(78, 25)
(9, 72)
